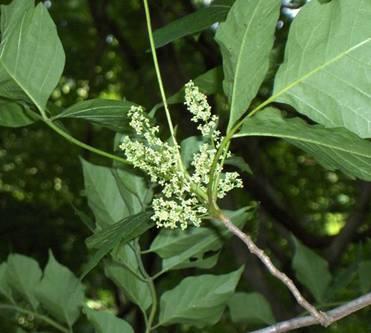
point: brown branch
(321, 317)
(335, 315)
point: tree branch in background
(262, 191)
(321, 317)
(257, 280)
(106, 26)
(335, 314)
(355, 220)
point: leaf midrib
(317, 69)
(301, 139)
(238, 64)
(300, 80)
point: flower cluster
(179, 204)
(197, 104)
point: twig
(320, 317)
(335, 314)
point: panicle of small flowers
(228, 182)
(174, 213)
(197, 104)
(199, 107)
(178, 205)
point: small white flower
(177, 205)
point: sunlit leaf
(103, 194)
(335, 149)
(107, 113)
(326, 72)
(23, 274)
(60, 292)
(105, 322)
(246, 39)
(198, 300)
(31, 54)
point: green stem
(152, 314)
(158, 274)
(158, 72)
(43, 318)
(195, 188)
(75, 141)
(141, 278)
(211, 190)
(79, 143)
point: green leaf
(106, 322)
(134, 189)
(31, 54)
(85, 218)
(125, 230)
(209, 83)
(342, 280)
(198, 300)
(240, 163)
(251, 308)
(246, 39)
(311, 270)
(179, 248)
(125, 273)
(23, 274)
(15, 115)
(60, 292)
(205, 260)
(326, 71)
(364, 271)
(191, 24)
(335, 149)
(107, 113)
(104, 196)
(5, 289)
(19, 330)
(189, 147)
(122, 232)
(12, 14)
